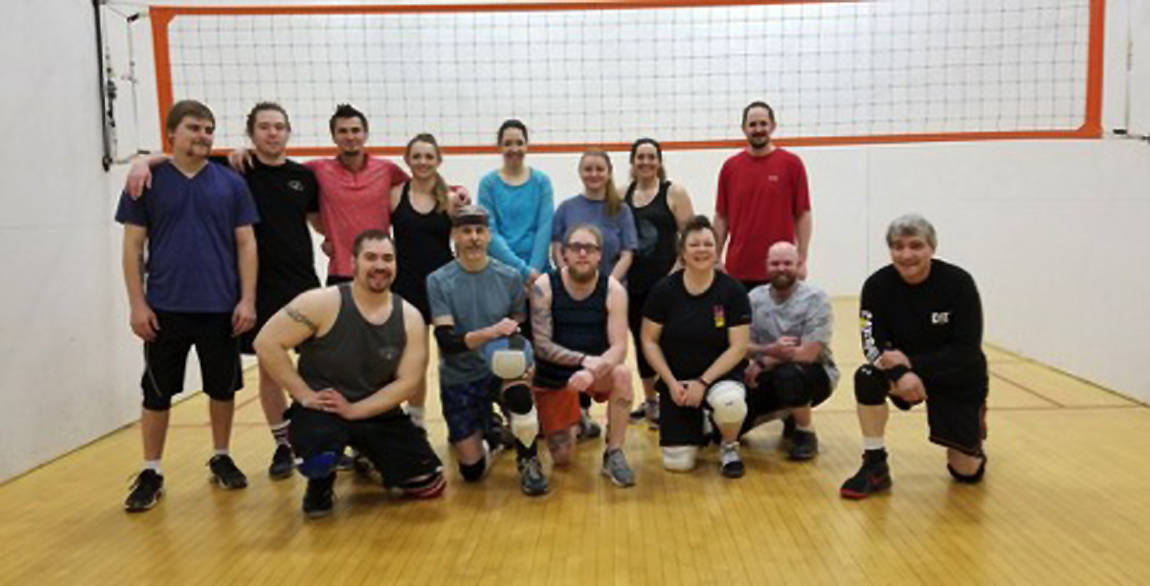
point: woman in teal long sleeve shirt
(520, 202)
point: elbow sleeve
(449, 341)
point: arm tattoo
(299, 317)
(541, 330)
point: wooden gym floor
(1066, 500)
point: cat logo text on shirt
(939, 318)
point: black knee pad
(473, 472)
(517, 399)
(871, 385)
(789, 383)
(972, 478)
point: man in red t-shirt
(762, 199)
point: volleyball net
(605, 73)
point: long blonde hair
(440, 188)
(614, 200)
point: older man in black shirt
(921, 322)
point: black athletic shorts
(397, 448)
(683, 426)
(767, 400)
(957, 418)
(165, 359)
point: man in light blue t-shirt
(477, 302)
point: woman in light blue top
(521, 203)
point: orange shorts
(559, 408)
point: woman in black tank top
(421, 222)
(660, 209)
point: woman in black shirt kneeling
(696, 326)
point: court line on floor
(1025, 388)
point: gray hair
(912, 225)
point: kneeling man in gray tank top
(362, 353)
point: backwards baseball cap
(469, 215)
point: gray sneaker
(531, 478)
(615, 467)
(587, 427)
(652, 413)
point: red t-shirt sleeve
(801, 192)
(723, 189)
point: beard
(782, 281)
(376, 281)
(759, 142)
(582, 277)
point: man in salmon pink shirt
(353, 188)
(762, 199)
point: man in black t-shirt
(287, 198)
(921, 322)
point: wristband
(703, 382)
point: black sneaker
(639, 413)
(225, 473)
(789, 428)
(804, 445)
(531, 478)
(283, 463)
(872, 477)
(730, 464)
(319, 499)
(146, 491)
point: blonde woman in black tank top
(421, 224)
(661, 209)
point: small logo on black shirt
(720, 316)
(295, 185)
(939, 318)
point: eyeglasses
(578, 247)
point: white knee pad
(728, 401)
(526, 426)
(680, 458)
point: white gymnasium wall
(67, 361)
(1054, 231)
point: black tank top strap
(405, 196)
